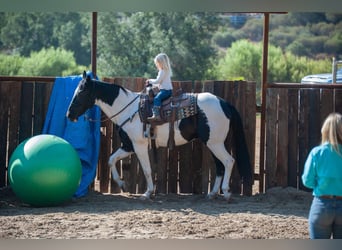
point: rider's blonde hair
(332, 131)
(164, 62)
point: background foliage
(135, 39)
(200, 45)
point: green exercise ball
(44, 170)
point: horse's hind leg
(216, 188)
(227, 160)
(113, 159)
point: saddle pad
(185, 105)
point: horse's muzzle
(73, 119)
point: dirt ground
(281, 213)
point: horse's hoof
(144, 198)
(227, 196)
(211, 196)
(122, 186)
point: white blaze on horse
(211, 124)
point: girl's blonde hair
(164, 61)
(332, 131)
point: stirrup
(154, 119)
(147, 132)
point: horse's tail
(241, 150)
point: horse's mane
(109, 91)
(108, 84)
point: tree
(307, 34)
(243, 61)
(333, 17)
(188, 39)
(138, 37)
(126, 51)
(253, 30)
(50, 62)
(26, 32)
(10, 65)
(300, 66)
(72, 32)
(334, 45)
(298, 18)
(224, 39)
(2, 24)
(32, 31)
(277, 66)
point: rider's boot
(156, 115)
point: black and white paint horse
(211, 125)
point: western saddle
(179, 106)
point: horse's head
(83, 99)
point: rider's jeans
(325, 218)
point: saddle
(179, 106)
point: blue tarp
(83, 135)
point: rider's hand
(148, 84)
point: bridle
(125, 107)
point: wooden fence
(186, 169)
(23, 106)
(294, 116)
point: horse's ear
(84, 74)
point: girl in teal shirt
(323, 174)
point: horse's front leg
(113, 159)
(141, 151)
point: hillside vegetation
(200, 45)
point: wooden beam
(94, 43)
(263, 101)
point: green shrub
(244, 60)
(10, 65)
(50, 62)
